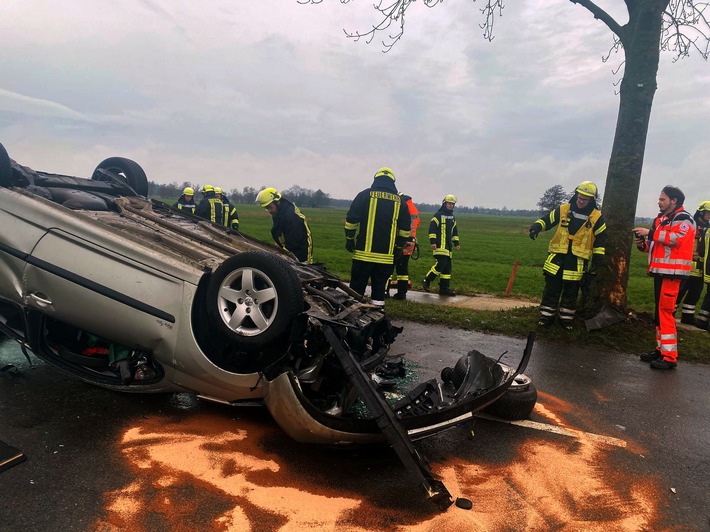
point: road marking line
(558, 430)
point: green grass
(490, 246)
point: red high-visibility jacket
(670, 244)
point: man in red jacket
(669, 244)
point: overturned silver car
(133, 295)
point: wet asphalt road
(651, 470)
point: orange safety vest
(411, 243)
(670, 251)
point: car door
(111, 287)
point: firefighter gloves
(534, 231)
(350, 244)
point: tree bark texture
(640, 37)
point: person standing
(290, 229)
(443, 238)
(400, 278)
(376, 227)
(186, 202)
(210, 207)
(669, 244)
(576, 249)
(692, 287)
(230, 218)
(703, 319)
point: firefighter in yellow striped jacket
(443, 237)
(575, 250)
(692, 288)
(703, 319)
(376, 227)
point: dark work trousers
(400, 279)
(378, 275)
(560, 297)
(703, 319)
(441, 268)
(689, 295)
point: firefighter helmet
(267, 196)
(587, 188)
(704, 206)
(188, 191)
(449, 198)
(217, 190)
(385, 171)
(207, 188)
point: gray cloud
(271, 92)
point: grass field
(490, 246)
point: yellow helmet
(188, 191)
(704, 206)
(207, 188)
(267, 196)
(385, 171)
(217, 190)
(587, 188)
(449, 198)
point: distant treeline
(304, 197)
(307, 198)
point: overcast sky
(270, 92)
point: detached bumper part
(388, 423)
(424, 411)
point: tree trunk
(641, 45)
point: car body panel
(88, 258)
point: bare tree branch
(602, 15)
(686, 28)
(686, 24)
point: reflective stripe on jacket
(706, 266)
(183, 205)
(583, 239)
(211, 208)
(443, 232)
(670, 244)
(379, 220)
(290, 231)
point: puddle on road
(210, 472)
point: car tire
(5, 168)
(253, 297)
(127, 170)
(517, 402)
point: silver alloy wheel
(248, 301)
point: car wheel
(517, 402)
(253, 298)
(5, 168)
(127, 170)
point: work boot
(401, 296)
(545, 322)
(688, 319)
(566, 325)
(650, 357)
(444, 288)
(662, 363)
(425, 285)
